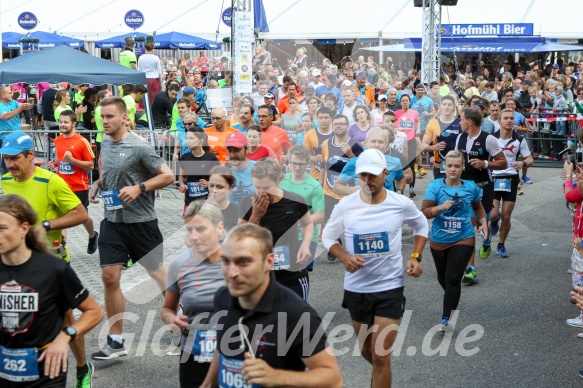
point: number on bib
(442, 167)
(19, 365)
(453, 224)
(230, 374)
(66, 168)
(111, 200)
(196, 190)
(282, 258)
(502, 184)
(204, 344)
(371, 244)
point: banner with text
(243, 45)
(500, 29)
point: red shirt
(260, 153)
(276, 138)
(76, 177)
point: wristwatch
(71, 332)
(142, 187)
(417, 256)
(47, 225)
(485, 164)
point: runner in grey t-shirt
(130, 173)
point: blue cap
(15, 143)
(188, 90)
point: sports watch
(47, 225)
(142, 187)
(71, 332)
(417, 256)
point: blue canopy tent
(177, 40)
(483, 45)
(64, 64)
(46, 40)
(118, 41)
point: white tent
(289, 19)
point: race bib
(406, 124)
(19, 365)
(502, 184)
(453, 224)
(230, 374)
(111, 199)
(196, 190)
(371, 244)
(66, 168)
(204, 345)
(442, 167)
(282, 258)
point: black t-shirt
(266, 345)
(230, 216)
(196, 168)
(395, 107)
(34, 297)
(88, 116)
(162, 110)
(282, 220)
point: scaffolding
(431, 41)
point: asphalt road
(510, 331)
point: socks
(81, 371)
(117, 338)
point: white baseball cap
(371, 161)
(316, 73)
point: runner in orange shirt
(217, 134)
(75, 159)
(273, 137)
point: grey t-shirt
(128, 162)
(196, 282)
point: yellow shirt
(47, 193)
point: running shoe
(470, 276)
(412, 192)
(331, 258)
(85, 380)
(128, 263)
(112, 350)
(581, 373)
(494, 227)
(519, 190)
(575, 322)
(526, 180)
(580, 335)
(445, 326)
(485, 252)
(502, 252)
(92, 245)
(415, 168)
(422, 172)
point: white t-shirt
(377, 117)
(347, 111)
(400, 141)
(370, 227)
(510, 149)
(150, 64)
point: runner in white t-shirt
(371, 221)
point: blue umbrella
(46, 40)
(177, 40)
(118, 41)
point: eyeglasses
(187, 123)
(217, 118)
(295, 164)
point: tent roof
(118, 41)
(287, 19)
(482, 45)
(178, 40)
(64, 64)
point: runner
(450, 202)
(57, 208)
(408, 122)
(370, 220)
(252, 300)
(315, 138)
(240, 166)
(131, 171)
(441, 135)
(221, 182)
(194, 276)
(506, 181)
(281, 211)
(298, 181)
(195, 166)
(74, 159)
(34, 344)
(481, 155)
